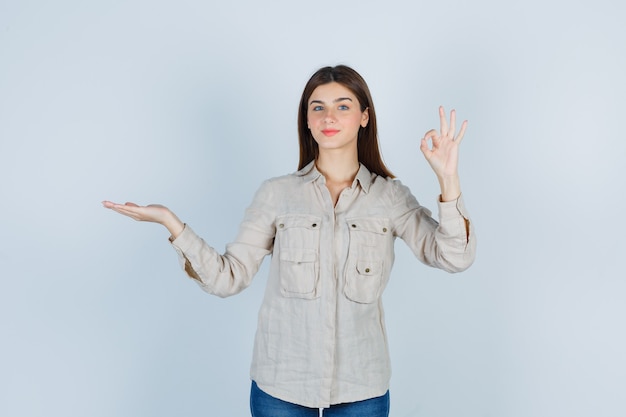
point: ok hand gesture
(443, 155)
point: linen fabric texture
(321, 335)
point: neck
(338, 167)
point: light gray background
(193, 103)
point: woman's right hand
(154, 213)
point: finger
(126, 212)
(432, 133)
(129, 210)
(425, 149)
(459, 137)
(129, 204)
(452, 123)
(442, 121)
(433, 136)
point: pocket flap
(305, 221)
(369, 224)
(368, 268)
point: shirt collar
(364, 177)
(310, 173)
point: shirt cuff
(185, 240)
(452, 208)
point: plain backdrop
(192, 104)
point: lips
(330, 132)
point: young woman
(330, 228)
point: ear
(365, 117)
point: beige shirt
(321, 335)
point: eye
(317, 108)
(343, 107)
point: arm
(229, 273)
(443, 157)
(449, 244)
(219, 274)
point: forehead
(331, 92)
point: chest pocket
(298, 238)
(369, 259)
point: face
(334, 117)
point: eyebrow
(334, 101)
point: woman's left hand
(443, 155)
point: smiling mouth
(330, 132)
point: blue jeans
(264, 405)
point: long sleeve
(230, 273)
(449, 244)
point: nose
(329, 116)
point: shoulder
(390, 186)
(394, 194)
(307, 174)
(282, 183)
(284, 180)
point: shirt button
(367, 270)
(354, 226)
(281, 225)
(384, 230)
(314, 225)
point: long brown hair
(368, 151)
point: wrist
(450, 187)
(173, 224)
